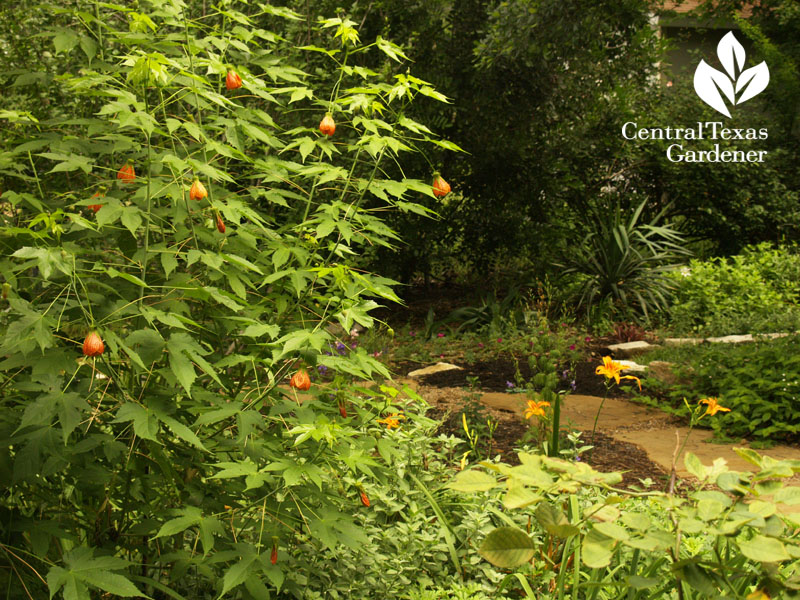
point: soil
(608, 454)
(630, 438)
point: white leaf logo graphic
(730, 53)
(757, 77)
(714, 87)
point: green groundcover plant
(735, 535)
(175, 243)
(758, 381)
(753, 292)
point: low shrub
(586, 539)
(753, 292)
(759, 382)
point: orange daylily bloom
(612, 370)
(713, 406)
(535, 409)
(392, 420)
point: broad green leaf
(237, 574)
(65, 40)
(694, 466)
(597, 550)
(518, 496)
(113, 273)
(472, 481)
(554, 521)
(115, 584)
(612, 530)
(764, 549)
(697, 577)
(181, 523)
(145, 423)
(182, 431)
(507, 547)
(269, 329)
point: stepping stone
(437, 368)
(682, 341)
(771, 336)
(731, 339)
(630, 348)
(629, 365)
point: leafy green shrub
(178, 463)
(753, 292)
(759, 382)
(586, 538)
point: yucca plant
(623, 262)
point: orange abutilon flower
(126, 173)
(343, 409)
(713, 406)
(535, 409)
(273, 557)
(440, 187)
(300, 380)
(93, 345)
(364, 498)
(198, 191)
(220, 224)
(233, 81)
(96, 207)
(327, 125)
(612, 370)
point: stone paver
(629, 349)
(437, 368)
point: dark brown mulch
(506, 437)
(493, 375)
(610, 454)
(607, 455)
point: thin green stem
(36, 175)
(149, 204)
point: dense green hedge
(753, 292)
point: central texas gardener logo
(737, 84)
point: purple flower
(564, 373)
(326, 353)
(341, 348)
(572, 385)
(411, 333)
(587, 339)
(577, 459)
(499, 340)
(323, 370)
(440, 334)
(509, 385)
(354, 345)
(480, 344)
(572, 347)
